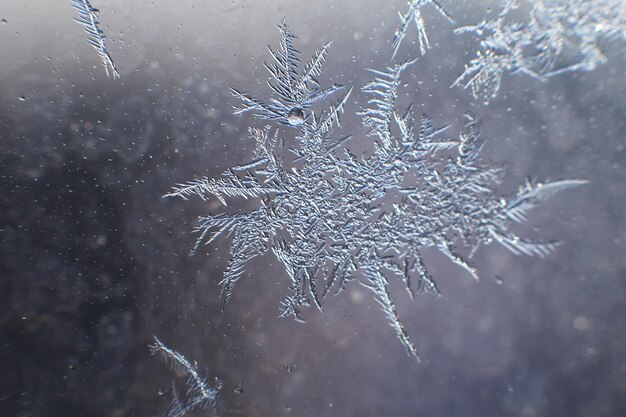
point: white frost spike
(199, 395)
(530, 195)
(414, 14)
(381, 102)
(96, 38)
(521, 246)
(378, 284)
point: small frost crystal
(332, 217)
(295, 91)
(415, 14)
(199, 395)
(558, 36)
(88, 19)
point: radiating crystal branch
(415, 14)
(558, 36)
(88, 19)
(199, 394)
(380, 113)
(295, 90)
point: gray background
(94, 262)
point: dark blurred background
(94, 261)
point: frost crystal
(415, 14)
(295, 91)
(199, 395)
(89, 21)
(331, 217)
(558, 36)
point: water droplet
(295, 117)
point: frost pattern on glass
(331, 217)
(414, 14)
(557, 36)
(199, 394)
(88, 19)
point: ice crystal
(415, 14)
(199, 394)
(331, 217)
(557, 36)
(295, 91)
(88, 19)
